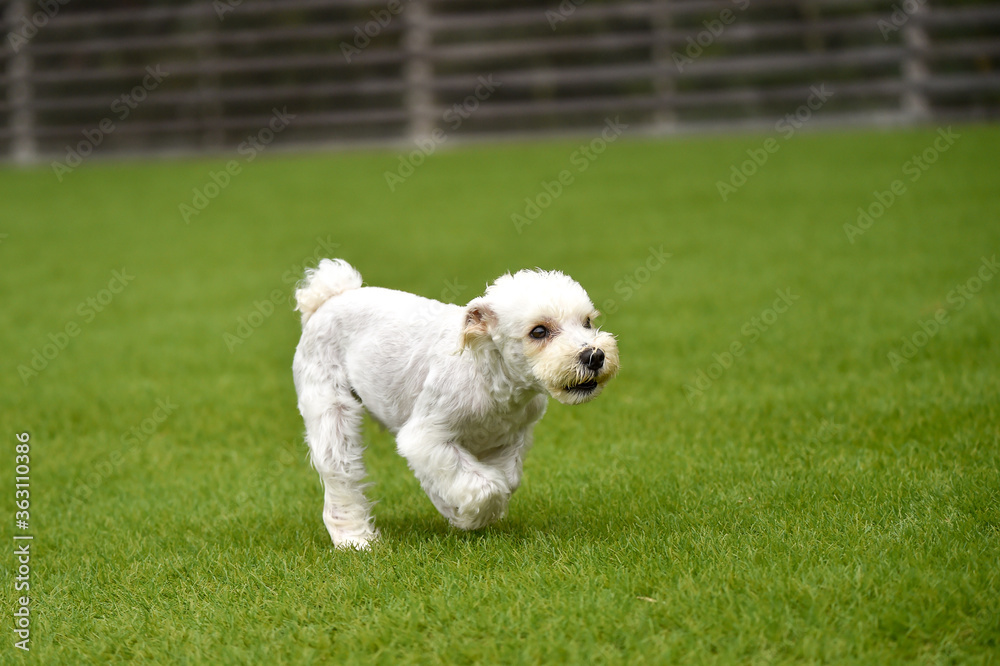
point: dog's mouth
(584, 387)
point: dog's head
(542, 324)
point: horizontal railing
(392, 70)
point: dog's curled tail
(331, 278)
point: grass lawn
(797, 463)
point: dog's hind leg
(333, 430)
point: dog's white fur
(461, 388)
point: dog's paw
(483, 502)
(355, 533)
(355, 541)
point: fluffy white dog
(461, 388)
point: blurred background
(199, 76)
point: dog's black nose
(592, 358)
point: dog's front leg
(469, 493)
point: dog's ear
(479, 320)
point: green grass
(813, 504)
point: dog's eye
(586, 324)
(539, 333)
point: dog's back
(383, 342)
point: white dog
(461, 388)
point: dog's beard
(569, 381)
(578, 389)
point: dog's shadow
(405, 526)
(413, 527)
